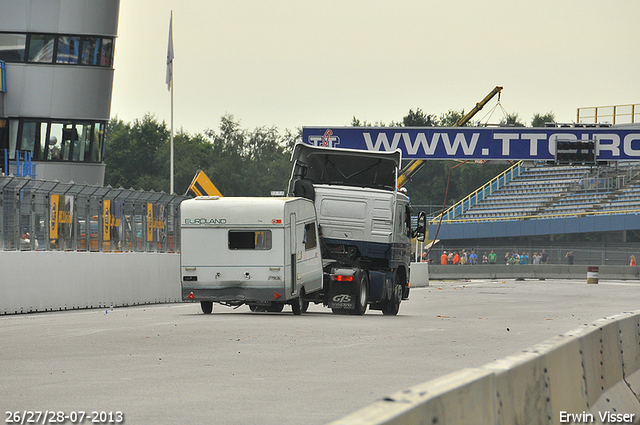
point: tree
(419, 119)
(249, 163)
(539, 120)
(238, 161)
(512, 120)
(132, 153)
(451, 117)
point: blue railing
(22, 166)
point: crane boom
(413, 166)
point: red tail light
(342, 278)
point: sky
(289, 64)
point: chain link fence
(40, 215)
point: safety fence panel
(38, 215)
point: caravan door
(294, 247)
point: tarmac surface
(161, 364)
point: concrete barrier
(419, 275)
(530, 271)
(590, 375)
(33, 281)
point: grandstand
(548, 206)
(544, 191)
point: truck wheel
(361, 294)
(297, 305)
(392, 306)
(207, 306)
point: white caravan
(232, 252)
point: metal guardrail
(615, 114)
(51, 216)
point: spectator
(463, 257)
(450, 258)
(524, 258)
(569, 257)
(633, 261)
(507, 258)
(473, 258)
(544, 257)
(515, 257)
(492, 257)
(485, 259)
(536, 258)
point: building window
(90, 51)
(97, 146)
(106, 52)
(12, 47)
(58, 141)
(41, 48)
(65, 49)
(54, 147)
(68, 49)
(29, 136)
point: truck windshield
(344, 167)
(358, 171)
(243, 239)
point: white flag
(170, 55)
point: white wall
(34, 281)
(592, 370)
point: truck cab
(365, 224)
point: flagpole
(170, 83)
(171, 186)
(171, 174)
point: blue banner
(478, 143)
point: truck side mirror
(421, 227)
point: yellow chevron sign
(202, 186)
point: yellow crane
(412, 167)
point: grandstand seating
(543, 191)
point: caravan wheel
(297, 305)
(207, 306)
(275, 307)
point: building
(59, 77)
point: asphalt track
(165, 364)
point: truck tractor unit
(364, 223)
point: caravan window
(309, 236)
(242, 239)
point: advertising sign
(478, 143)
(106, 220)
